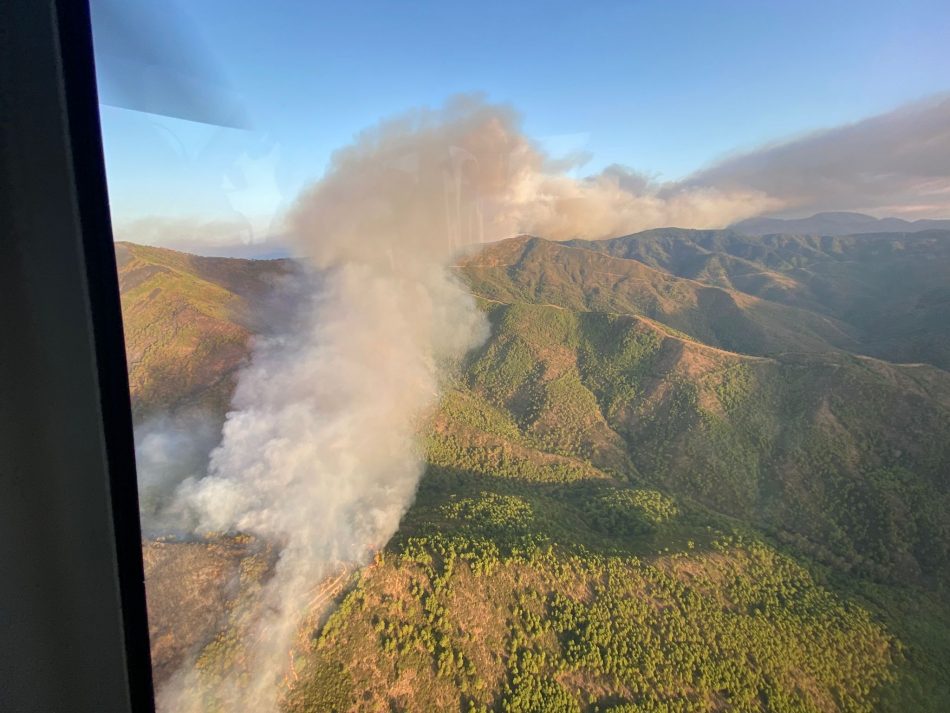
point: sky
(669, 89)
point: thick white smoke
(169, 449)
(319, 453)
(470, 162)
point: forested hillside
(187, 323)
(892, 290)
(677, 477)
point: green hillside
(613, 513)
(187, 323)
(623, 509)
(529, 269)
(805, 445)
(892, 289)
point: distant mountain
(888, 291)
(837, 223)
(567, 313)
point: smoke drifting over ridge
(470, 164)
(319, 454)
(896, 163)
(487, 176)
(168, 450)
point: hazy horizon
(244, 110)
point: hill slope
(612, 512)
(530, 269)
(615, 515)
(187, 323)
(797, 444)
(890, 290)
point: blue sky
(663, 87)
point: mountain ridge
(577, 277)
(890, 289)
(836, 223)
(187, 323)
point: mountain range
(688, 471)
(836, 224)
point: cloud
(897, 163)
(468, 168)
(168, 450)
(620, 201)
(319, 454)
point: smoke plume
(319, 454)
(168, 450)
(495, 182)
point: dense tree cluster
(493, 513)
(738, 626)
(629, 512)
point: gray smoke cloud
(319, 453)
(169, 450)
(497, 182)
(897, 163)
